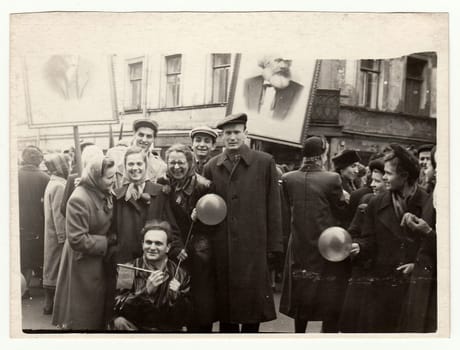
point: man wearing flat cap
(203, 143)
(251, 233)
(145, 131)
(389, 241)
(313, 287)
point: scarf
(400, 202)
(91, 179)
(57, 165)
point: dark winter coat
(242, 241)
(31, 187)
(129, 217)
(200, 261)
(389, 246)
(313, 287)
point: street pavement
(33, 318)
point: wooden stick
(134, 268)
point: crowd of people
(123, 250)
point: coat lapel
(387, 216)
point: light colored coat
(82, 282)
(54, 229)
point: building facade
(358, 104)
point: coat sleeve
(77, 226)
(69, 187)
(274, 226)
(339, 207)
(58, 218)
(285, 210)
(367, 242)
(176, 244)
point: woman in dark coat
(313, 287)
(82, 282)
(186, 188)
(31, 186)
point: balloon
(23, 284)
(211, 209)
(334, 244)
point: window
(414, 85)
(220, 76)
(135, 85)
(173, 73)
(369, 83)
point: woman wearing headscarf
(58, 167)
(186, 187)
(88, 152)
(137, 201)
(81, 288)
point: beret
(424, 148)
(203, 130)
(346, 158)
(146, 123)
(314, 146)
(407, 160)
(377, 164)
(240, 118)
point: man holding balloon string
(250, 235)
(314, 279)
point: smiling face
(177, 165)
(424, 159)
(233, 136)
(143, 138)
(393, 180)
(202, 145)
(155, 245)
(377, 183)
(135, 166)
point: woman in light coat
(54, 225)
(81, 289)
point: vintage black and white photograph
(227, 190)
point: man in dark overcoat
(31, 185)
(251, 232)
(313, 287)
(389, 242)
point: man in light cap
(145, 131)
(203, 143)
(273, 93)
(390, 242)
(250, 235)
(313, 287)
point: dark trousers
(225, 327)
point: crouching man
(155, 295)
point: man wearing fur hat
(313, 287)
(272, 93)
(389, 241)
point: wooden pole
(76, 139)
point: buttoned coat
(54, 229)
(82, 281)
(389, 246)
(313, 287)
(251, 229)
